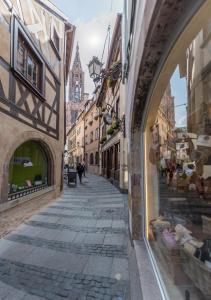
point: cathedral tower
(76, 80)
(76, 96)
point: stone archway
(9, 151)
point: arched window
(91, 159)
(97, 158)
(29, 168)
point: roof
(50, 6)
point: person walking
(80, 171)
(84, 173)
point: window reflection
(180, 167)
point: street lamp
(95, 69)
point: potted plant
(110, 130)
(103, 139)
(115, 125)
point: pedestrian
(80, 171)
(84, 169)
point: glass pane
(30, 67)
(28, 167)
(21, 57)
(35, 75)
(178, 163)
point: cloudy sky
(91, 18)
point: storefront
(29, 170)
(177, 168)
(111, 163)
(168, 117)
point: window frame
(52, 42)
(18, 32)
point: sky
(91, 18)
(179, 92)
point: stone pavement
(75, 248)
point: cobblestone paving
(75, 228)
(89, 249)
(75, 248)
(51, 284)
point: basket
(197, 272)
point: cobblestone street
(75, 248)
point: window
(97, 158)
(55, 41)
(117, 109)
(74, 114)
(27, 62)
(97, 133)
(91, 137)
(91, 159)
(178, 175)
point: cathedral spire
(76, 79)
(77, 60)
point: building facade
(76, 96)
(91, 133)
(79, 128)
(35, 57)
(167, 43)
(111, 101)
(71, 146)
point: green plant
(115, 125)
(103, 139)
(110, 130)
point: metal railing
(27, 191)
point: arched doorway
(30, 169)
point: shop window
(28, 168)
(178, 177)
(91, 159)
(27, 62)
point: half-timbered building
(35, 54)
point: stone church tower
(76, 96)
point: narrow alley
(74, 248)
